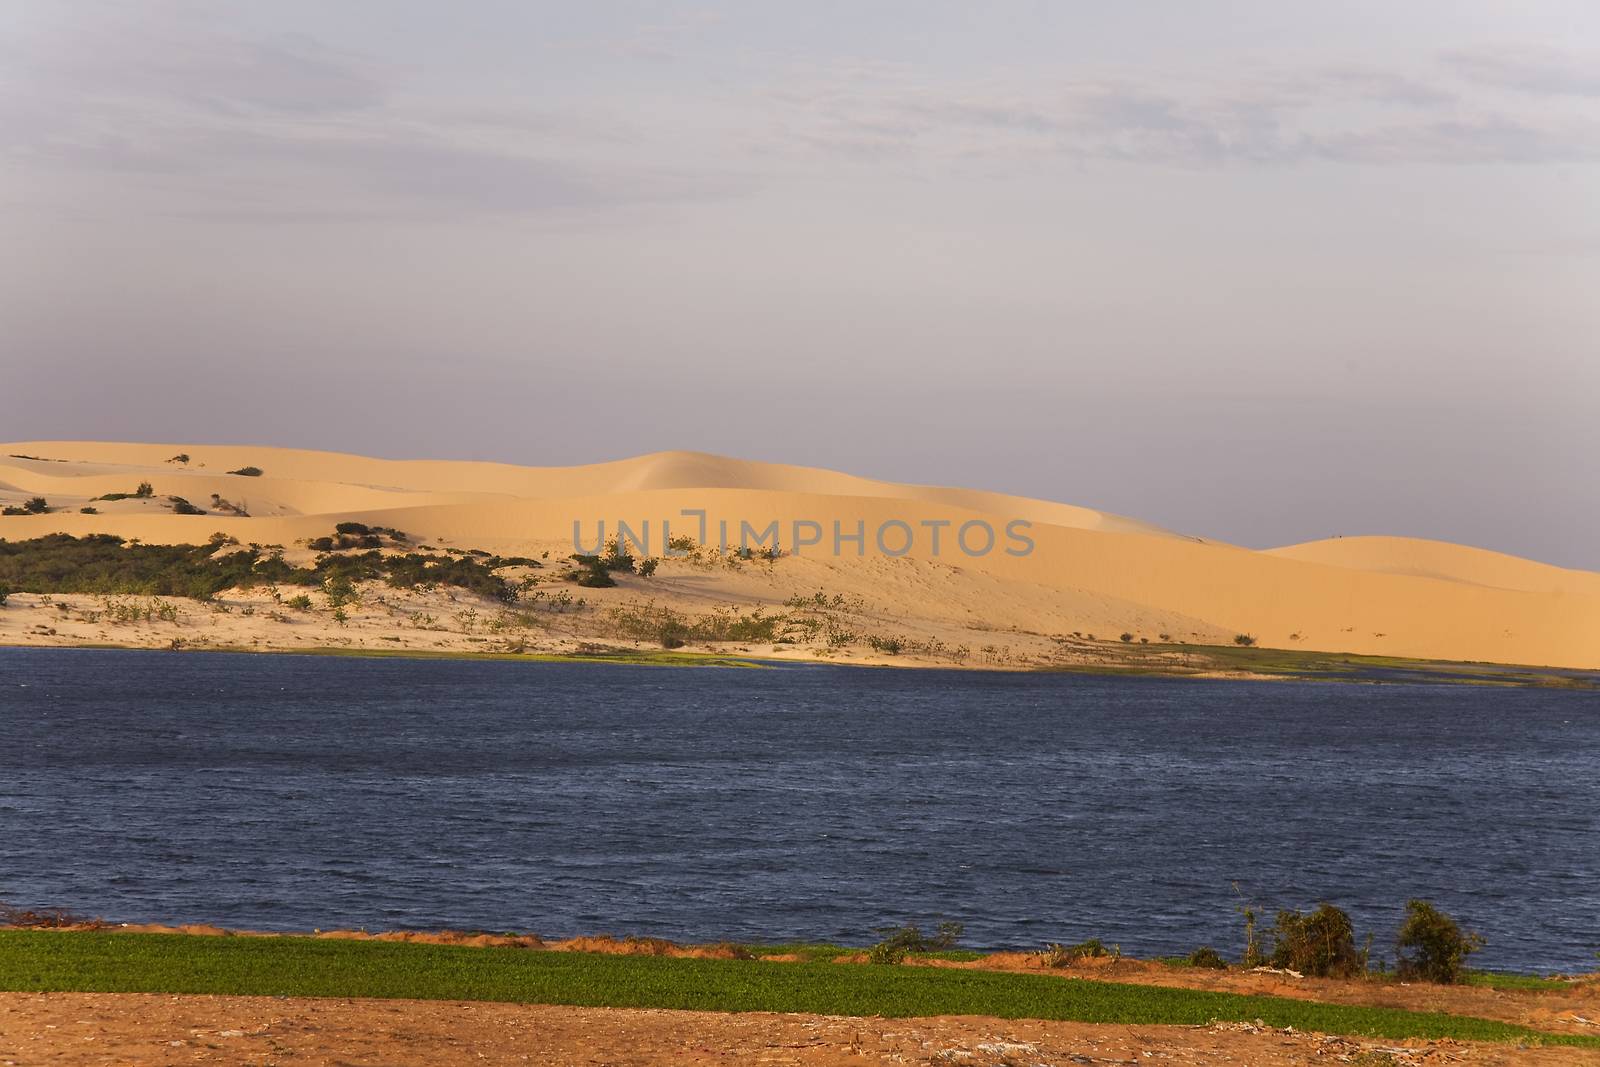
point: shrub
(1244, 640)
(181, 457)
(1064, 955)
(4, 594)
(899, 941)
(617, 557)
(1125, 638)
(352, 528)
(339, 590)
(647, 567)
(181, 506)
(1431, 946)
(595, 576)
(1207, 957)
(248, 472)
(145, 489)
(1321, 943)
(87, 510)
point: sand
(142, 1030)
(1089, 573)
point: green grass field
(299, 966)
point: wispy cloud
(1529, 68)
(1337, 113)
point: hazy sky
(1259, 271)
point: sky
(1264, 272)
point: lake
(795, 803)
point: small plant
(299, 603)
(1431, 946)
(1125, 638)
(1243, 640)
(647, 567)
(4, 594)
(145, 489)
(1056, 955)
(1207, 957)
(247, 472)
(1253, 955)
(88, 510)
(339, 590)
(181, 457)
(340, 616)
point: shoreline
(1204, 662)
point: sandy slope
(1088, 573)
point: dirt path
(139, 1030)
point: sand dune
(1088, 572)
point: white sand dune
(1088, 573)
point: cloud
(1528, 68)
(1336, 113)
(215, 122)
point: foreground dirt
(138, 1029)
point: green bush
(1431, 946)
(301, 602)
(647, 567)
(900, 941)
(144, 489)
(248, 472)
(1321, 943)
(181, 457)
(1207, 957)
(1243, 640)
(4, 594)
(88, 510)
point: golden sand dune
(1083, 572)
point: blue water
(286, 792)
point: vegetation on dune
(43, 960)
(248, 472)
(37, 505)
(105, 563)
(180, 506)
(672, 629)
(144, 491)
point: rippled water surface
(287, 792)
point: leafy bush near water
(1431, 946)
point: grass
(1159, 659)
(1502, 980)
(637, 657)
(41, 961)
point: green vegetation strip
(41, 961)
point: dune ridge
(1089, 572)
